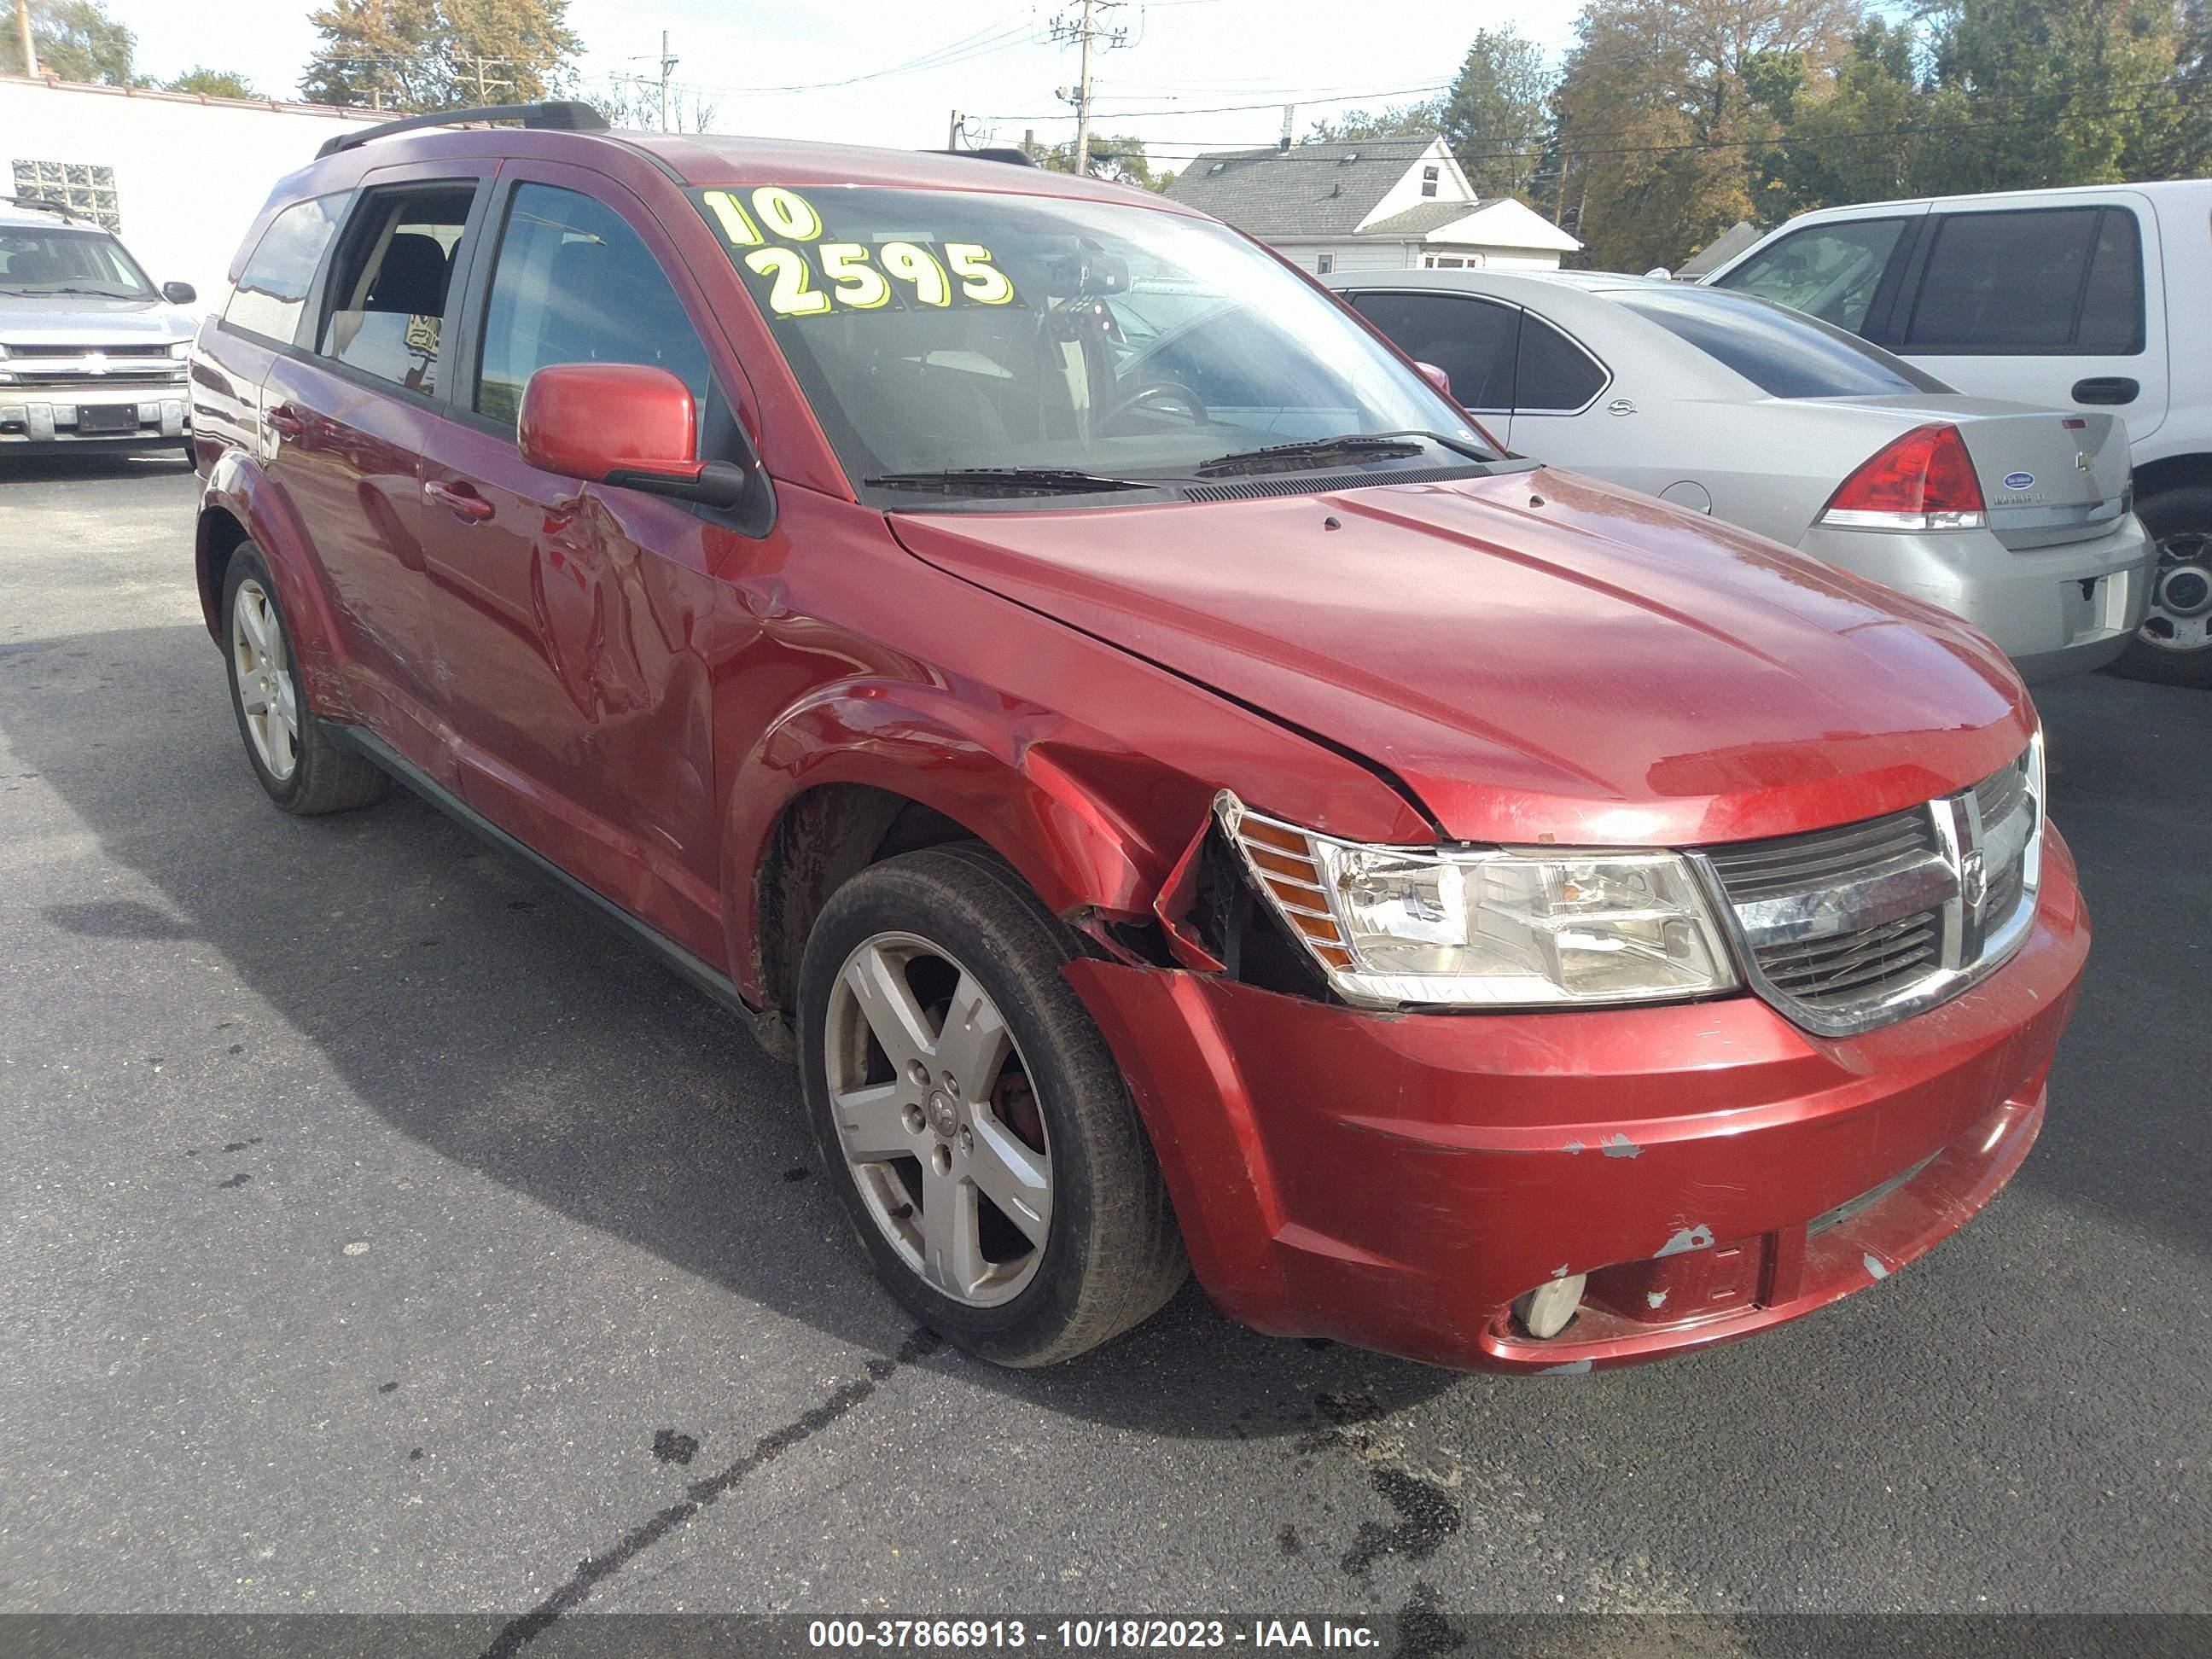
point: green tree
(77, 40)
(214, 83)
(1661, 134)
(416, 54)
(1495, 118)
(1118, 156)
(1863, 134)
(1359, 126)
(2058, 92)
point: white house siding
(189, 175)
(1348, 256)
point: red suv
(1182, 794)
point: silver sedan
(2017, 519)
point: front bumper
(157, 415)
(1396, 1181)
(2053, 610)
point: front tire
(2173, 647)
(973, 1119)
(301, 765)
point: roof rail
(560, 115)
(40, 202)
(1011, 156)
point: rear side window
(574, 284)
(393, 283)
(1474, 341)
(1784, 353)
(273, 288)
(1828, 271)
(1552, 372)
(2042, 280)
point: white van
(2095, 297)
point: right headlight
(1494, 927)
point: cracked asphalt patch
(380, 1234)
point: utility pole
(952, 132)
(1083, 32)
(477, 64)
(667, 68)
(23, 33)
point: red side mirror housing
(637, 426)
(592, 421)
(1436, 377)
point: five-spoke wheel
(304, 768)
(981, 1136)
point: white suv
(91, 352)
(2093, 297)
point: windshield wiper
(1005, 480)
(95, 293)
(1284, 458)
(1350, 445)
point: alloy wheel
(262, 666)
(938, 1119)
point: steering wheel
(1175, 388)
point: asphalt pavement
(377, 1232)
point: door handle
(283, 422)
(2106, 389)
(460, 500)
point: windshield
(1784, 353)
(939, 330)
(69, 262)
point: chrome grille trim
(1850, 928)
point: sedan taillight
(1924, 480)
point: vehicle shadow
(64, 464)
(453, 992)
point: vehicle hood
(87, 320)
(1531, 655)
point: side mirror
(624, 424)
(179, 294)
(1436, 377)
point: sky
(1193, 75)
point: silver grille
(1849, 928)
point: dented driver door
(570, 618)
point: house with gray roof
(1378, 205)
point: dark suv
(1181, 792)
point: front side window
(1474, 341)
(1784, 353)
(393, 283)
(273, 288)
(1828, 271)
(939, 330)
(2036, 280)
(36, 264)
(574, 284)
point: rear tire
(950, 1069)
(299, 762)
(2173, 647)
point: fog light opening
(1549, 1308)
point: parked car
(1173, 788)
(90, 352)
(2090, 298)
(2016, 519)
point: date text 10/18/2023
(1090, 1635)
